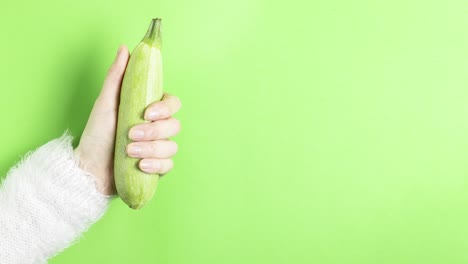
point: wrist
(86, 164)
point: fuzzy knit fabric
(46, 202)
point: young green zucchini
(141, 86)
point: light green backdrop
(319, 131)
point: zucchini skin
(141, 86)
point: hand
(95, 152)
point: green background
(312, 131)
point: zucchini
(141, 86)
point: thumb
(103, 117)
(100, 128)
(111, 89)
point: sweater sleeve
(46, 202)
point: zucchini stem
(153, 36)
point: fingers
(160, 149)
(156, 165)
(160, 129)
(150, 144)
(163, 109)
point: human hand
(95, 152)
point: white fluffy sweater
(46, 202)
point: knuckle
(153, 130)
(154, 149)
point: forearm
(46, 202)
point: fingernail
(154, 114)
(134, 150)
(136, 134)
(150, 165)
(146, 164)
